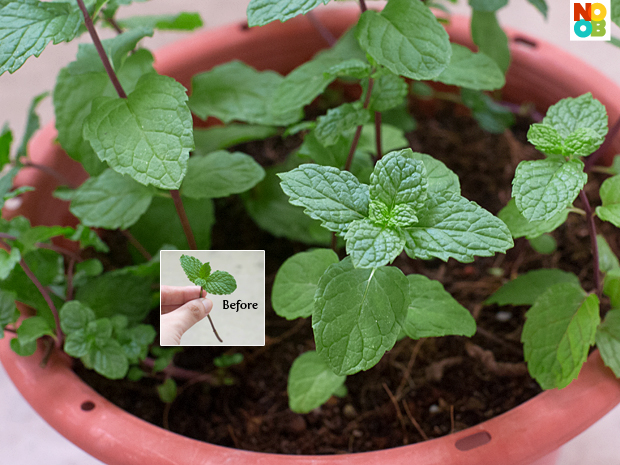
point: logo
(590, 21)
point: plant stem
(358, 131)
(211, 321)
(187, 229)
(112, 22)
(334, 242)
(181, 373)
(592, 159)
(378, 134)
(48, 300)
(363, 5)
(321, 29)
(70, 269)
(133, 241)
(104, 58)
(592, 231)
(52, 172)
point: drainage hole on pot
(525, 41)
(87, 406)
(245, 27)
(473, 440)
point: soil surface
(420, 389)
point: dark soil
(420, 389)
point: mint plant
(217, 282)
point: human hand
(181, 308)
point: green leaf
(558, 332)
(475, 71)
(8, 260)
(406, 38)
(220, 282)
(228, 360)
(47, 265)
(27, 26)
(167, 390)
(398, 179)
(371, 245)
(571, 114)
(490, 38)
(32, 125)
(85, 79)
(388, 91)
(6, 139)
(306, 82)
(220, 174)
(611, 287)
(545, 138)
(334, 197)
(135, 341)
(110, 200)
(87, 238)
(544, 244)
(221, 137)
(526, 288)
(581, 143)
(28, 332)
(261, 12)
(491, 116)
(354, 68)
(540, 5)
(6, 184)
(236, 91)
(330, 126)
(296, 282)
(608, 340)
(607, 258)
(124, 132)
(433, 312)
(487, 5)
(610, 197)
(440, 178)
(8, 310)
(520, 227)
(117, 293)
(174, 22)
(107, 358)
(452, 226)
(544, 188)
(615, 12)
(151, 233)
(358, 315)
(75, 316)
(400, 118)
(311, 382)
(192, 267)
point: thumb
(175, 323)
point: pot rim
(104, 430)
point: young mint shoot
(217, 282)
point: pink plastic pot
(529, 434)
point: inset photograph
(212, 297)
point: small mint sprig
(218, 282)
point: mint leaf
(433, 312)
(27, 26)
(610, 197)
(475, 71)
(135, 341)
(110, 200)
(358, 315)
(399, 179)
(540, 5)
(32, 125)
(228, 360)
(261, 12)
(490, 115)
(571, 114)
(117, 293)
(8, 310)
(388, 91)
(107, 358)
(354, 68)
(611, 287)
(306, 82)
(406, 38)
(452, 226)
(581, 143)
(192, 267)
(221, 137)
(371, 245)
(311, 382)
(615, 12)
(237, 92)
(6, 139)
(151, 150)
(526, 288)
(440, 178)
(28, 332)
(490, 38)
(608, 340)
(220, 174)
(607, 258)
(330, 126)
(296, 282)
(334, 197)
(545, 138)
(8, 260)
(558, 332)
(87, 238)
(543, 188)
(75, 316)
(174, 22)
(544, 244)
(487, 5)
(520, 227)
(85, 79)
(167, 390)
(220, 282)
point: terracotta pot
(528, 434)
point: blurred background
(24, 437)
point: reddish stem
(51, 171)
(321, 29)
(70, 269)
(358, 131)
(363, 5)
(592, 230)
(187, 229)
(181, 373)
(133, 241)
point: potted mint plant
(131, 130)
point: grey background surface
(24, 437)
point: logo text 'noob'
(589, 20)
